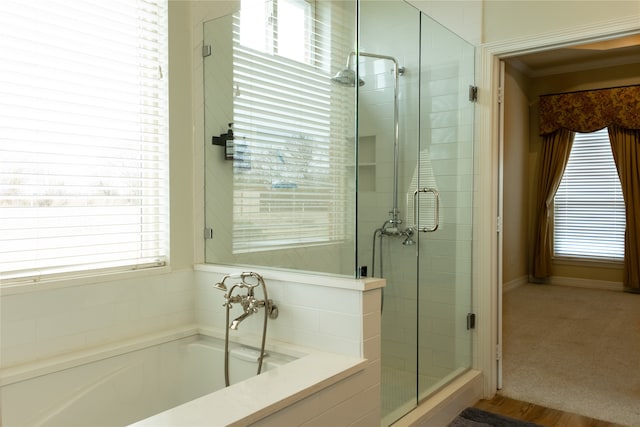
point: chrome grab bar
(436, 209)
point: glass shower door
(443, 206)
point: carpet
(573, 349)
(474, 417)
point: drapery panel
(588, 111)
(625, 145)
(556, 147)
(618, 109)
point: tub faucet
(251, 305)
(237, 320)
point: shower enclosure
(351, 154)
(421, 191)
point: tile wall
(61, 319)
(325, 313)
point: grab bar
(436, 209)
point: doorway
(526, 77)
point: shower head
(220, 286)
(347, 77)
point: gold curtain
(625, 145)
(556, 147)
(588, 111)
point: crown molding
(566, 37)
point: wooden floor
(538, 414)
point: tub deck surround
(329, 323)
(325, 280)
(332, 315)
(253, 399)
(239, 404)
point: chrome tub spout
(236, 321)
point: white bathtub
(121, 386)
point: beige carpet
(573, 349)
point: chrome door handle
(436, 209)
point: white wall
(463, 17)
(50, 322)
(504, 20)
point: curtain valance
(590, 110)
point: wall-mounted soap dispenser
(225, 140)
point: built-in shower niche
(367, 163)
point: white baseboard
(586, 283)
(512, 284)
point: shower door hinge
(208, 233)
(473, 93)
(471, 321)
(206, 50)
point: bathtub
(124, 388)
(163, 374)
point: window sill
(9, 288)
(589, 262)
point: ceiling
(588, 56)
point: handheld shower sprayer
(255, 280)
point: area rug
(474, 417)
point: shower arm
(397, 71)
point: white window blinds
(589, 218)
(83, 136)
(290, 167)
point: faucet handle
(272, 309)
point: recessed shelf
(367, 163)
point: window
(278, 27)
(83, 137)
(290, 166)
(589, 218)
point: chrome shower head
(220, 286)
(347, 77)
